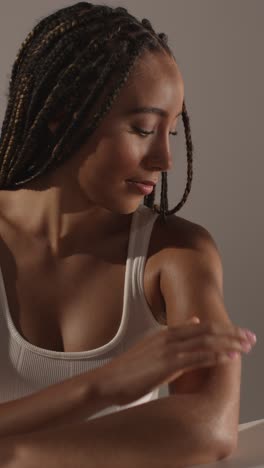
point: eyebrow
(151, 110)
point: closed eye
(145, 133)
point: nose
(159, 155)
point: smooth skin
(166, 355)
(89, 193)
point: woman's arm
(65, 402)
(171, 432)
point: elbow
(225, 448)
(225, 451)
(216, 447)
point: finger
(191, 361)
(188, 363)
(193, 319)
(188, 330)
(213, 343)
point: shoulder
(189, 254)
(181, 236)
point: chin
(126, 209)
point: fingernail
(245, 333)
(251, 336)
(233, 354)
(246, 346)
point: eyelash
(145, 133)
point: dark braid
(149, 199)
(23, 51)
(73, 59)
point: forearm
(66, 402)
(146, 435)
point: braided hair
(72, 56)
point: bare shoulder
(188, 249)
(182, 236)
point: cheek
(118, 157)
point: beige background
(219, 48)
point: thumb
(194, 319)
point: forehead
(154, 80)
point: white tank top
(26, 368)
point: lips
(144, 182)
(140, 187)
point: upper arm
(192, 284)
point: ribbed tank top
(26, 368)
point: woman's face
(118, 150)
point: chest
(75, 304)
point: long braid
(68, 132)
(149, 200)
(22, 54)
(71, 60)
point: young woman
(96, 287)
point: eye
(142, 132)
(145, 133)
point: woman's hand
(164, 356)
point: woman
(94, 95)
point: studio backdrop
(218, 45)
